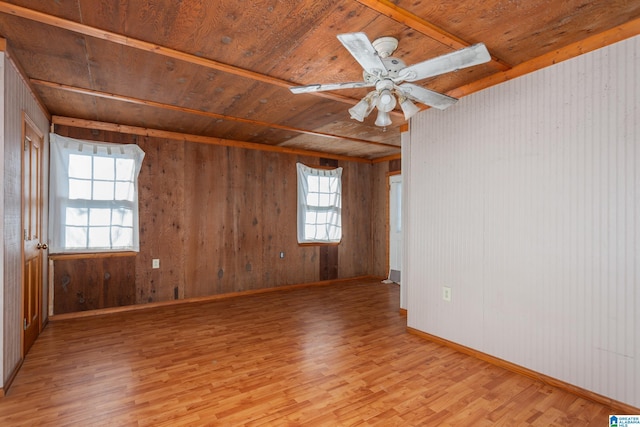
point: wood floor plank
(317, 356)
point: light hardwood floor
(318, 356)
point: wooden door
(34, 246)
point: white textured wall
(525, 199)
(16, 100)
(2, 281)
(405, 139)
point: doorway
(34, 244)
(395, 227)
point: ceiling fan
(391, 77)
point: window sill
(320, 244)
(85, 255)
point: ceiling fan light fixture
(360, 110)
(363, 108)
(383, 119)
(386, 101)
(408, 108)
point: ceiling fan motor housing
(392, 70)
(385, 46)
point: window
(319, 205)
(94, 196)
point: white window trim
(333, 226)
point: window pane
(335, 232)
(75, 237)
(324, 199)
(103, 190)
(313, 182)
(124, 191)
(324, 184)
(125, 169)
(121, 236)
(311, 232)
(79, 189)
(99, 237)
(79, 166)
(103, 168)
(123, 216)
(99, 217)
(77, 216)
(333, 185)
(310, 217)
(321, 218)
(312, 199)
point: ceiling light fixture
(385, 99)
(408, 107)
(363, 108)
(383, 119)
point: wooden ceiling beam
(388, 158)
(131, 100)
(76, 27)
(596, 41)
(403, 16)
(155, 133)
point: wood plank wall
(90, 283)
(218, 218)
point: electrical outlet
(446, 293)
(155, 263)
(281, 254)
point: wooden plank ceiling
(220, 71)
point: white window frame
(319, 205)
(113, 196)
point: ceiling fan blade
(329, 86)
(467, 57)
(426, 96)
(363, 51)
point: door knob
(42, 246)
